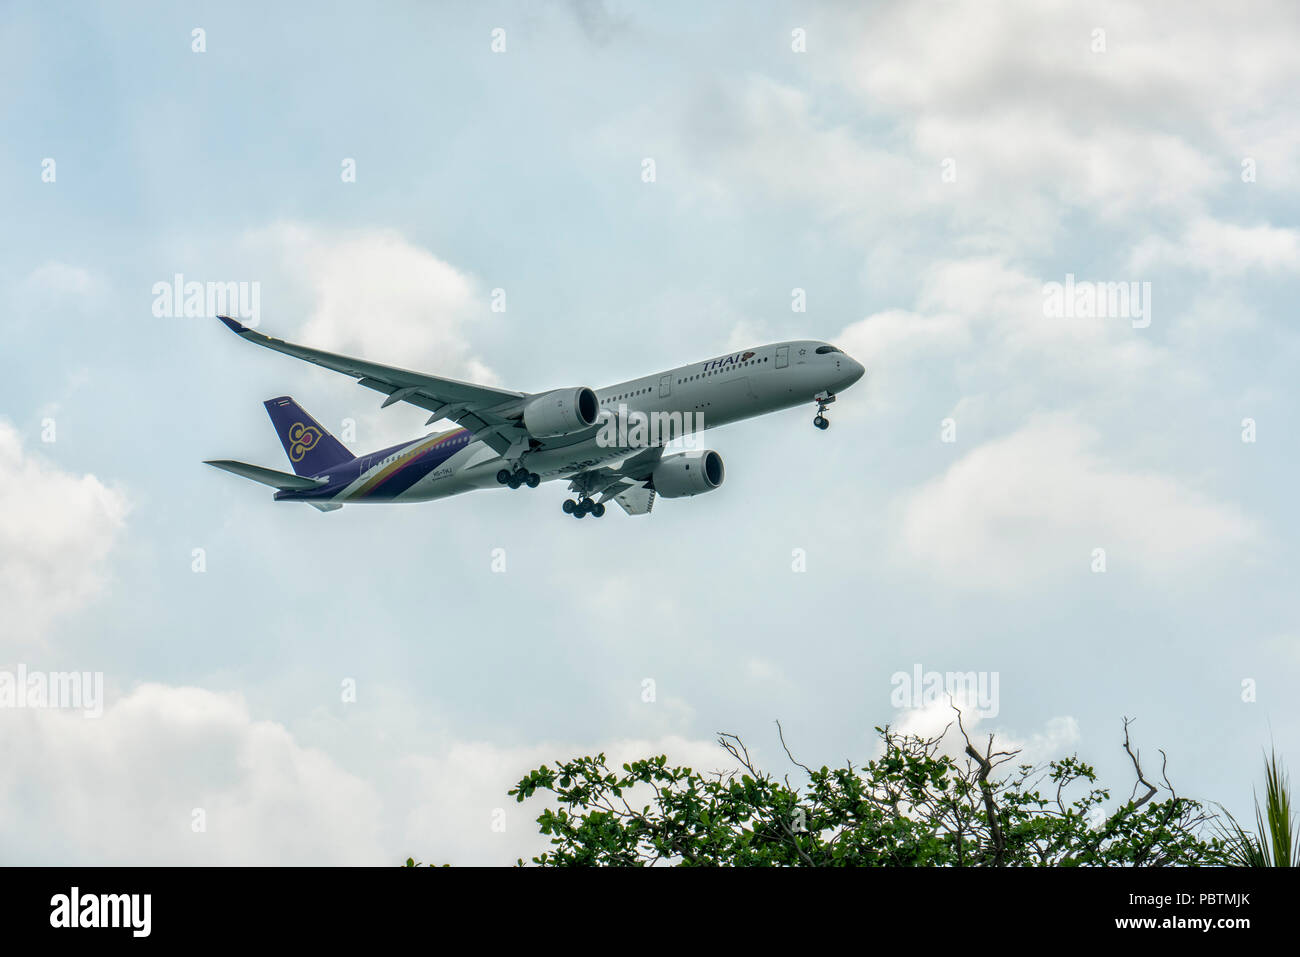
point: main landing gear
(823, 400)
(583, 506)
(518, 477)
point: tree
(912, 806)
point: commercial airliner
(607, 443)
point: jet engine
(688, 473)
(561, 412)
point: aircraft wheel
(533, 480)
(822, 422)
(598, 510)
(503, 476)
(568, 506)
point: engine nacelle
(561, 412)
(688, 473)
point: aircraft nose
(855, 371)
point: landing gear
(823, 400)
(583, 507)
(518, 477)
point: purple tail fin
(310, 448)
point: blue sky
(776, 170)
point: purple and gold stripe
(411, 466)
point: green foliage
(1275, 843)
(912, 806)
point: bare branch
(781, 734)
(1137, 767)
(990, 808)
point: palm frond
(1274, 843)
(1281, 825)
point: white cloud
(56, 531)
(895, 335)
(1044, 133)
(377, 296)
(1035, 504)
(58, 279)
(154, 756)
(1059, 737)
(1040, 125)
(724, 143)
(160, 752)
(891, 344)
(775, 140)
(979, 321)
(463, 792)
(1025, 90)
(1223, 249)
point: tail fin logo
(302, 439)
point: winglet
(234, 326)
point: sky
(1097, 511)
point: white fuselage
(705, 394)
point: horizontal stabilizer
(280, 480)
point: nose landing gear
(823, 399)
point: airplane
(604, 442)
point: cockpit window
(822, 350)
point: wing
(626, 483)
(491, 414)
